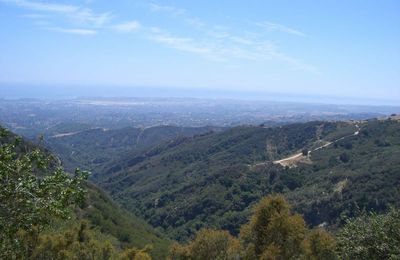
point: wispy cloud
(280, 28)
(179, 43)
(86, 15)
(225, 47)
(218, 43)
(77, 31)
(76, 13)
(131, 26)
(195, 22)
(166, 8)
(242, 40)
(46, 7)
(176, 12)
(35, 16)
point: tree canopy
(371, 236)
(31, 193)
(273, 232)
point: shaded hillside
(92, 148)
(210, 180)
(106, 216)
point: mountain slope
(361, 171)
(129, 230)
(211, 180)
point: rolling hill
(91, 148)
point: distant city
(31, 117)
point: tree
(321, 245)
(208, 244)
(273, 230)
(371, 236)
(32, 193)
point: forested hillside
(129, 231)
(213, 179)
(361, 171)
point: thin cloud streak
(131, 26)
(166, 8)
(280, 28)
(46, 7)
(77, 31)
(35, 16)
(179, 43)
(75, 13)
(177, 12)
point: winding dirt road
(294, 158)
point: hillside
(103, 214)
(211, 180)
(91, 148)
(361, 171)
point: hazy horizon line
(64, 91)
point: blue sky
(335, 48)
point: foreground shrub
(371, 236)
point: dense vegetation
(29, 201)
(371, 236)
(359, 172)
(37, 197)
(74, 240)
(274, 232)
(213, 179)
(104, 216)
(208, 180)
